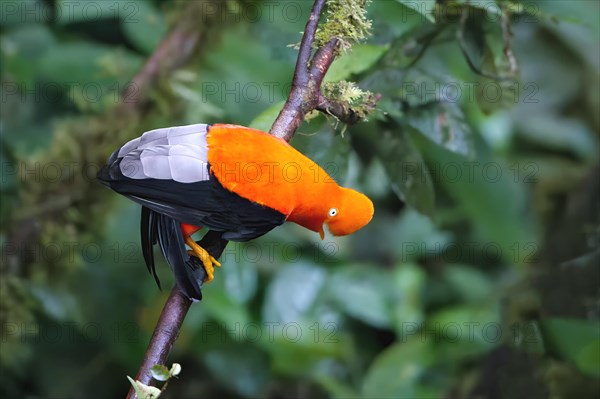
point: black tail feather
(188, 270)
(148, 234)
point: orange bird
(238, 182)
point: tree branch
(308, 77)
(164, 336)
(301, 72)
(305, 96)
(303, 87)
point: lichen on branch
(346, 21)
(346, 24)
(346, 101)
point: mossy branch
(346, 24)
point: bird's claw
(208, 261)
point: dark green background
(478, 276)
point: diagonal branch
(301, 77)
(164, 336)
(305, 96)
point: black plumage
(168, 203)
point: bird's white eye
(332, 212)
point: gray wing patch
(190, 134)
(176, 153)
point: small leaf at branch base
(160, 372)
(144, 391)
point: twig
(303, 95)
(460, 39)
(165, 334)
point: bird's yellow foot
(207, 260)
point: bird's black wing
(202, 203)
(166, 171)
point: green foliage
(478, 271)
(575, 340)
(360, 59)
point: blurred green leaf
(587, 360)
(293, 292)
(408, 308)
(70, 12)
(240, 277)
(337, 389)
(20, 12)
(330, 151)
(362, 292)
(468, 283)
(444, 124)
(560, 134)
(299, 349)
(480, 186)
(419, 236)
(423, 7)
(146, 27)
(225, 309)
(22, 47)
(242, 77)
(396, 371)
(465, 331)
(8, 180)
(406, 170)
(575, 340)
(387, 14)
(79, 65)
(304, 331)
(56, 302)
(241, 368)
(358, 60)
(409, 47)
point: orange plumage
(269, 171)
(238, 182)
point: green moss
(350, 96)
(347, 21)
